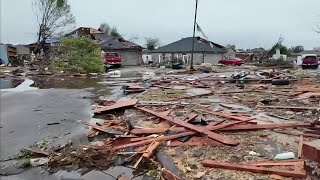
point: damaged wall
(130, 58)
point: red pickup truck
(112, 58)
(309, 61)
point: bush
(80, 55)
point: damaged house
(131, 53)
(204, 51)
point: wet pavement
(49, 109)
(27, 114)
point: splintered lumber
(216, 123)
(210, 134)
(117, 105)
(151, 149)
(265, 126)
(300, 146)
(210, 127)
(289, 107)
(156, 130)
(161, 138)
(168, 175)
(255, 169)
(229, 116)
(224, 127)
(191, 117)
(194, 141)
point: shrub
(81, 55)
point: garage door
(129, 58)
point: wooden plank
(216, 123)
(151, 149)
(255, 169)
(140, 139)
(118, 104)
(311, 150)
(194, 141)
(148, 141)
(210, 134)
(265, 126)
(156, 130)
(289, 107)
(295, 162)
(300, 146)
(230, 116)
(191, 117)
(179, 129)
(225, 127)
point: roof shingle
(185, 46)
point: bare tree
(52, 17)
(152, 43)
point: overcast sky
(245, 23)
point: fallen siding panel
(117, 105)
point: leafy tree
(297, 49)
(152, 43)
(52, 16)
(112, 31)
(283, 50)
(81, 55)
(105, 28)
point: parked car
(232, 61)
(112, 58)
(310, 61)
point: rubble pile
(203, 126)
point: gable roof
(119, 44)
(101, 37)
(185, 46)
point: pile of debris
(182, 126)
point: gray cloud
(246, 23)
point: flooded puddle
(6, 83)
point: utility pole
(194, 33)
